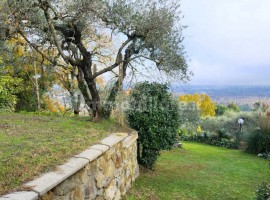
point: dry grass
(264, 123)
(31, 144)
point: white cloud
(228, 36)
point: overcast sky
(228, 41)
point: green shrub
(263, 192)
(222, 133)
(220, 110)
(9, 87)
(258, 143)
(26, 101)
(212, 139)
(233, 107)
(259, 140)
(155, 115)
(189, 114)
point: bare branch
(117, 61)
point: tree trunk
(94, 103)
(83, 88)
(77, 106)
(75, 102)
(110, 101)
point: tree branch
(117, 61)
(66, 58)
(53, 61)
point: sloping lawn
(200, 171)
(31, 144)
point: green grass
(31, 144)
(200, 171)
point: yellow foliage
(19, 44)
(19, 51)
(101, 81)
(202, 101)
(54, 106)
(199, 129)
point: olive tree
(63, 32)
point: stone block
(111, 190)
(90, 154)
(127, 142)
(49, 180)
(71, 183)
(90, 188)
(20, 196)
(113, 139)
(102, 148)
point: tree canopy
(69, 32)
(203, 102)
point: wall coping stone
(49, 180)
(100, 147)
(113, 139)
(129, 140)
(90, 154)
(20, 196)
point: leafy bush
(220, 110)
(223, 134)
(189, 113)
(154, 114)
(259, 140)
(9, 87)
(233, 107)
(263, 192)
(26, 101)
(212, 139)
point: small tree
(220, 110)
(203, 101)
(155, 115)
(233, 107)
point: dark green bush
(233, 107)
(223, 134)
(155, 115)
(27, 101)
(220, 110)
(263, 192)
(258, 142)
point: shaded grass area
(200, 171)
(31, 144)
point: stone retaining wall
(104, 171)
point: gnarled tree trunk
(110, 101)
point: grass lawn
(200, 171)
(31, 144)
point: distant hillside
(225, 94)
